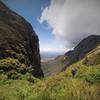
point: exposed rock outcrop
(84, 47)
(18, 40)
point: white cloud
(72, 20)
(53, 46)
(60, 50)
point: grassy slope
(84, 84)
(53, 67)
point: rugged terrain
(83, 48)
(18, 41)
(60, 63)
(20, 61)
(80, 81)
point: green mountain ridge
(18, 41)
(61, 62)
(82, 49)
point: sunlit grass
(80, 81)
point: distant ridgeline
(82, 49)
(19, 45)
(80, 52)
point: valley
(53, 67)
(28, 74)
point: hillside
(82, 49)
(60, 63)
(19, 45)
(53, 67)
(22, 74)
(80, 81)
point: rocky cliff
(81, 50)
(18, 40)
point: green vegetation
(80, 81)
(14, 89)
(64, 86)
(53, 67)
(83, 85)
(12, 68)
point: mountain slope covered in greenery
(18, 41)
(80, 81)
(20, 62)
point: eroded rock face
(84, 47)
(18, 40)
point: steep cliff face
(84, 47)
(18, 40)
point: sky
(60, 24)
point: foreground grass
(65, 86)
(84, 85)
(14, 89)
(81, 81)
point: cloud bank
(72, 20)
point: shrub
(13, 74)
(3, 77)
(9, 64)
(12, 68)
(22, 69)
(31, 78)
(12, 64)
(93, 78)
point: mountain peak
(84, 47)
